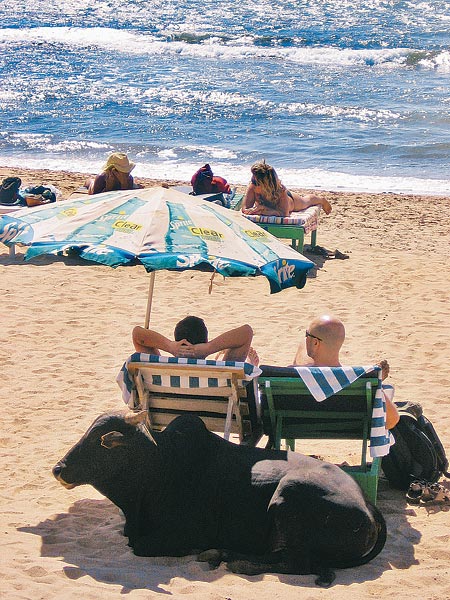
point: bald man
(324, 338)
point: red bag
(220, 185)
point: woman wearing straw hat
(115, 175)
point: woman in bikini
(266, 195)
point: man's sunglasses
(307, 334)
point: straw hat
(119, 160)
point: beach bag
(39, 194)
(418, 453)
(201, 180)
(205, 182)
(220, 185)
(9, 190)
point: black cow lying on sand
(185, 490)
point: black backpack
(9, 190)
(417, 453)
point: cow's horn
(136, 418)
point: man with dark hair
(192, 329)
(191, 340)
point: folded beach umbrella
(162, 229)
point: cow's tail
(377, 547)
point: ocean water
(336, 94)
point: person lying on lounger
(323, 341)
(191, 340)
(266, 195)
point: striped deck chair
(221, 393)
(328, 403)
(293, 228)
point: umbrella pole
(149, 300)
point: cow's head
(111, 445)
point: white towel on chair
(323, 382)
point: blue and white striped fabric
(307, 219)
(126, 383)
(323, 382)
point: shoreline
(315, 180)
(69, 181)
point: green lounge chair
(290, 412)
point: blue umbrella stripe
(157, 261)
(103, 226)
(231, 268)
(180, 228)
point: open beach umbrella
(160, 228)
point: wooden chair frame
(223, 409)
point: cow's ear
(113, 439)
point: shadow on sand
(89, 538)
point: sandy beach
(66, 330)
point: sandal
(435, 494)
(415, 492)
(319, 250)
(340, 255)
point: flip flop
(340, 255)
(415, 492)
(319, 250)
(435, 494)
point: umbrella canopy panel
(161, 228)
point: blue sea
(336, 94)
